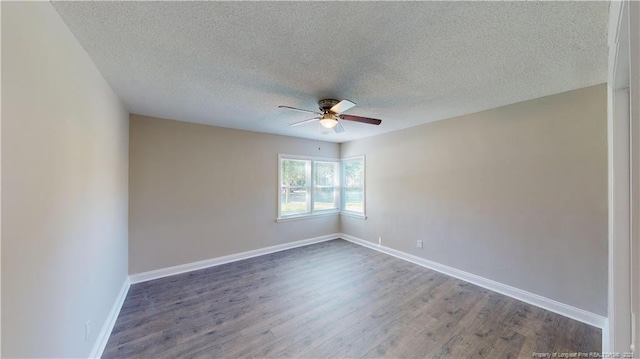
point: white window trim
(297, 217)
(353, 214)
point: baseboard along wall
(107, 328)
(527, 297)
(551, 305)
(188, 267)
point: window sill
(354, 215)
(321, 214)
(306, 216)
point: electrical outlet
(419, 243)
(87, 330)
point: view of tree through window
(295, 187)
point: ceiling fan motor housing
(327, 104)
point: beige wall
(64, 188)
(516, 194)
(198, 192)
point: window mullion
(342, 193)
(310, 186)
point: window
(353, 185)
(295, 182)
(313, 186)
(308, 186)
(326, 194)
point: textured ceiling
(231, 64)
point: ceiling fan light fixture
(328, 121)
(331, 114)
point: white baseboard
(188, 267)
(566, 310)
(105, 332)
(578, 314)
(606, 346)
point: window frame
(308, 186)
(311, 213)
(343, 188)
(337, 180)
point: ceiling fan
(331, 113)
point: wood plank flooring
(329, 300)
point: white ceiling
(231, 64)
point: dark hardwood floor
(333, 299)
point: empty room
(319, 179)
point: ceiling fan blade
(342, 106)
(305, 121)
(338, 128)
(371, 121)
(300, 109)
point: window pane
(325, 198)
(354, 173)
(294, 188)
(294, 200)
(326, 173)
(325, 195)
(294, 173)
(353, 185)
(354, 200)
